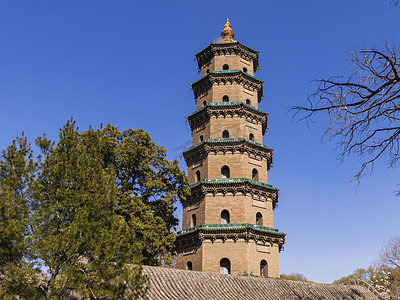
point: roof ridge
(168, 283)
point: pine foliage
(84, 217)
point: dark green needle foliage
(102, 205)
(17, 174)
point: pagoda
(227, 223)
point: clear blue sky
(130, 63)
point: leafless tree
(389, 262)
(390, 253)
(363, 106)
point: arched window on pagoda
(251, 137)
(225, 266)
(245, 70)
(197, 176)
(225, 217)
(201, 138)
(259, 219)
(194, 220)
(225, 134)
(189, 266)
(225, 67)
(225, 173)
(248, 101)
(208, 71)
(204, 103)
(264, 268)
(225, 98)
(254, 174)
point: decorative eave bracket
(235, 232)
(244, 186)
(222, 109)
(215, 49)
(228, 145)
(205, 83)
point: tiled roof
(223, 109)
(236, 42)
(229, 76)
(232, 180)
(228, 72)
(223, 104)
(236, 48)
(168, 284)
(227, 140)
(230, 226)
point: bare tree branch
(362, 106)
(394, 2)
(390, 253)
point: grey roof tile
(180, 284)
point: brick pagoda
(228, 221)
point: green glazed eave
(232, 180)
(230, 226)
(228, 72)
(225, 140)
(237, 42)
(226, 104)
(227, 44)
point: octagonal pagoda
(227, 223)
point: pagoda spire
(227, 34)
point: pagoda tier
(254, 150)
(264, 236)
(224, 78)
(228, 109)
(206, 56)
(258, 191)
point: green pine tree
(84, 218)
(18, 277)
(77, 234)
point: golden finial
(227, 24)
(227, 34)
